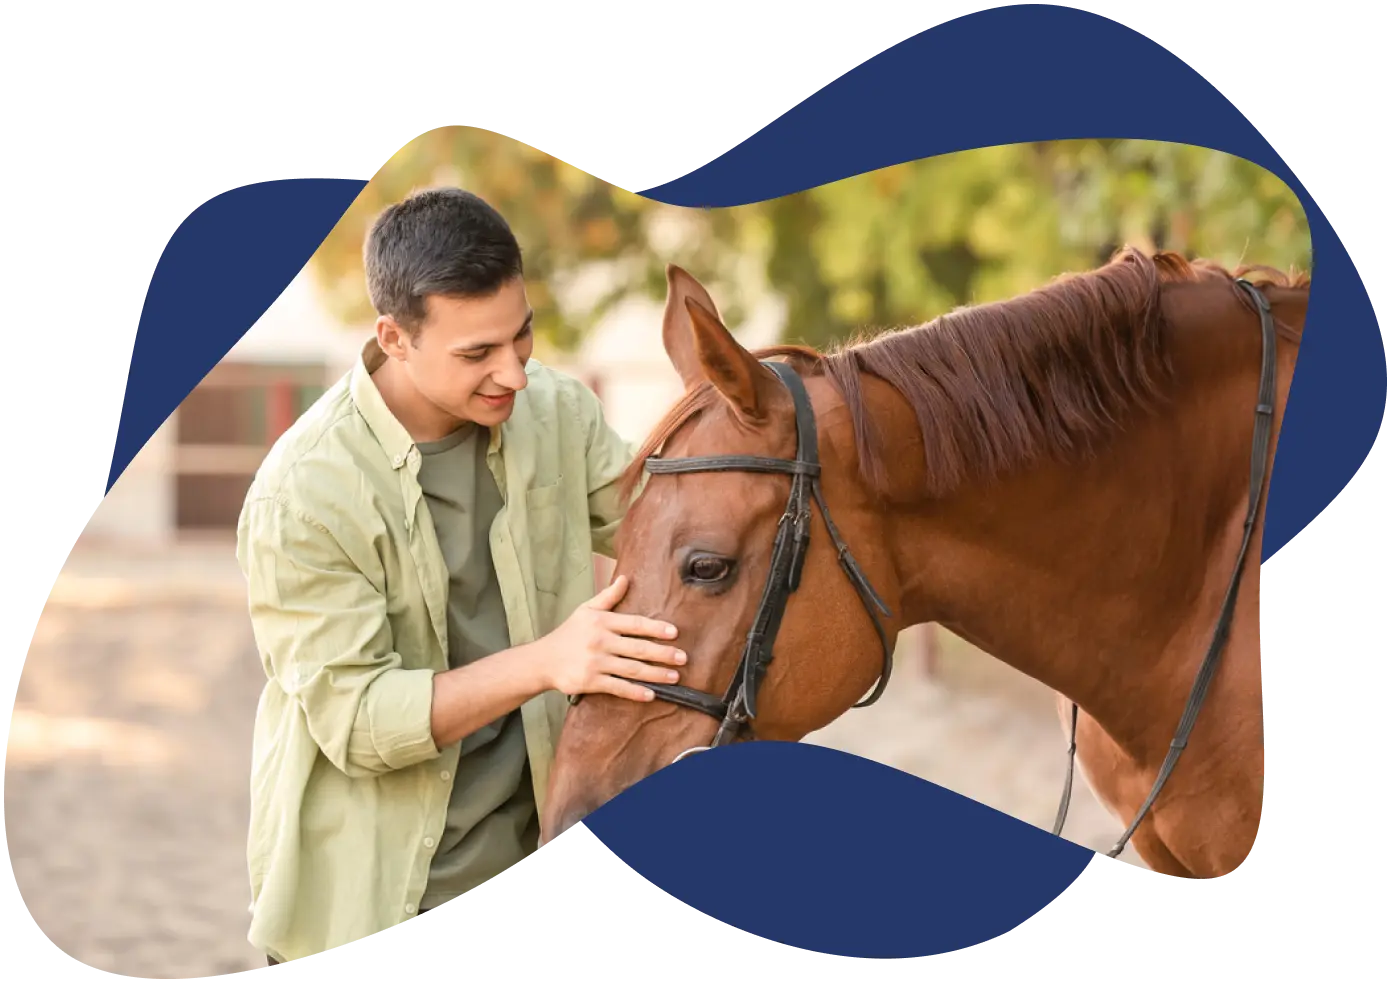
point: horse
(1061, 479)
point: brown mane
(998, 385)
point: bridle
(1258, 468)
(739, 702)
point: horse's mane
(998, 385)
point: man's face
(469, 356)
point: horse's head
(697, 549)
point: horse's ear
(701, 347)
(677, 331)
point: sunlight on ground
(36, 738)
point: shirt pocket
(548, 546)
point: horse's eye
(704, 568)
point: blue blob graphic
(221, 270)
(831, 852)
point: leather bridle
(739, 703)
(1258, 468)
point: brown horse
(1060, 479)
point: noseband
(739, 702)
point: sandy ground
(126, 772)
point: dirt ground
(126, 774)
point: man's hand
(597, 650)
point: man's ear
(391, 337)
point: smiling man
(418, 552)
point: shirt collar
(393, 437)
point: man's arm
(468, 698)
(322, 630)
(608, 456)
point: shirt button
(428, 843)
(444, 775)
(409, 908)
(397, 460)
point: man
(418, 551)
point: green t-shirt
(492, 821)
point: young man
(418, 552)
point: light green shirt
(348, 594)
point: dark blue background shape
(1006, 75)
(823, 850)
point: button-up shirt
(348, 597)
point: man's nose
(512, 376)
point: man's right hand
(597, 650)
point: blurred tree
(896, 246)
(908, 243)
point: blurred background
(128, 760)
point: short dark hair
(443, 241)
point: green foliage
(897, 246)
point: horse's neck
(1088, 576)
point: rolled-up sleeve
(321, 627)
(608, 457)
